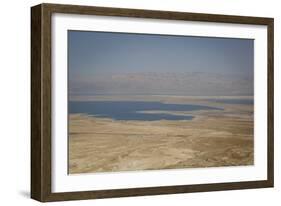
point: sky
(105, 62)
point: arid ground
(211, 139)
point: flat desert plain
(213, 138)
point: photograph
(139, 101)
(134, 102)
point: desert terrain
(213, 138)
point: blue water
(234, 101)
(130, 110)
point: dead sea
(212, 138)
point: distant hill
(187, 83)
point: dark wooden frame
(41, 102)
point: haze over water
(122, 64)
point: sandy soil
(211, 139)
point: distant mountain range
(187, 83)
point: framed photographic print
(130, 102)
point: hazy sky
(101, 53)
